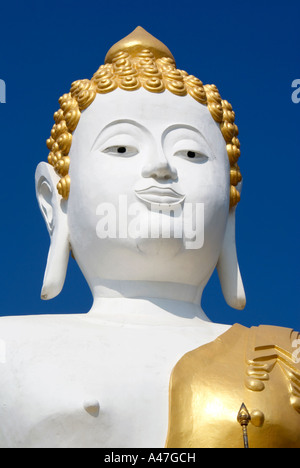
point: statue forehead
(154, 112)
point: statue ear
(228, 267)
(53, 209)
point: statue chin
(164, 248)
(159, 235)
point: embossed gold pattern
(263, 353)
(139, 60)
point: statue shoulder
(24, 337)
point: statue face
(149, 196)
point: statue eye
(190, 154)
(121, 150)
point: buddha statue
(141, 186)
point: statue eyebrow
(115, 123)
(180, 127)
(175, 127)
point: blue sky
(250, 50)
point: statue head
(151, 142)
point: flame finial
(244, 418)
(137, 41)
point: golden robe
(256, 366)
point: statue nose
(160, 170)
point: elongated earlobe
(53, 209)
(228, 268)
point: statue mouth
(165, 196)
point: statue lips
(163, 196)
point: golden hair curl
(131, 73)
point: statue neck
(142, 302)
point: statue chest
(91, 387)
